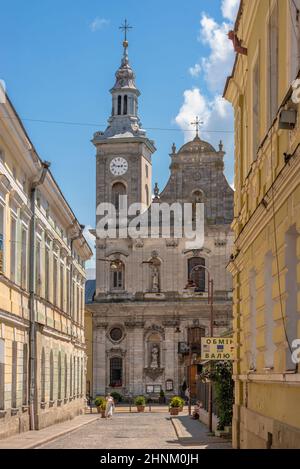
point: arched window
(125, 104)
(59, 376)
(118, 189)
(116, 371)
(51, 376)
(197, 199)
(66, 376)
(119, 105)
(43, 376)
(197, 272)
(117, 275)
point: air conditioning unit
(288, 119)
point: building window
(117, 275)
(81, 377)
(78, 376)
(25, 374)
(146, 170)
(118, 189)
(269, 304)
(71, 376)
(253, 330)
(47, 273)
(13, 248)
(256, 109)
(68, 292)
(291, 288)
(147, 194)
(125, 104)
(196, 273)
(119, 105)
(43, 376)
(24, 258)
(59, 376)
(38, 271)
(74, 376)
(51, 376)
(62, 283)
(272, 79)
(14, 374)
(1, 239)
(55, 280)
(116, 334)
(116, 364)
(294, 6)
(66, 377)
(2, 374)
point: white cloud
(216, 114)
(230, 8)
(98, 23)
(195, 71)
(217, 66)
(91, 241)
(232, 186)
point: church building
(152, 295)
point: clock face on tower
(118, 166)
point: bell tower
(123, 150)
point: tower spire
(125, 27)
(197, 124)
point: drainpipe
(32, 284)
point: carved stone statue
(154, 356)
(155, 279)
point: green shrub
(140, 400)
(117, 397)
(176, 401)
(100, 402)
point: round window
(116, 334)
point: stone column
(99, 357)
(136, 357)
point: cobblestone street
(131, 431)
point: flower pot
(103, 414)
(140, 408)
(174, 410)
(99, 410)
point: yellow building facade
(266, 261)
(42, 281)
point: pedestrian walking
(109, 406)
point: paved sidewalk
(192, 432)
(32, 439)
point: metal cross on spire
(125, 27)
(197, 124)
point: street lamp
(211, 331)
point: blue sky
(58, 60)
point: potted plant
(162, 398)
(175, 405)
(140, 403)
(100, 403)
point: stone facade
(42, 282)
(266, 259)
(144, 304)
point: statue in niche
(155, 274)
(154, 356)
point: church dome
(196, 146)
